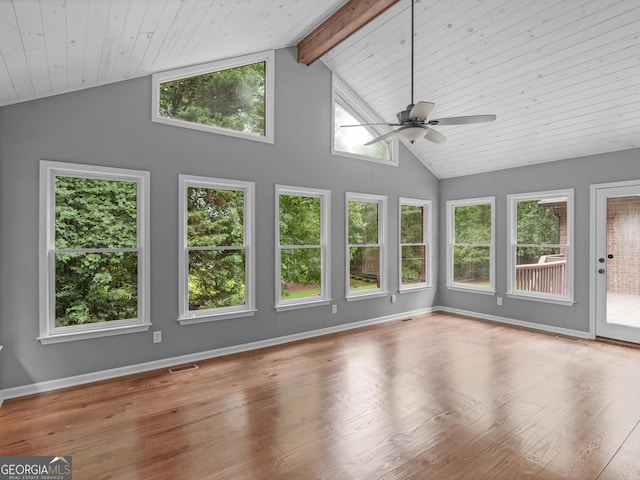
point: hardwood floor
(437, 397)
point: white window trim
(49, 333)
(359, 109)
(325, 247)
(427, 242)
(186, 317)
(268, 57)
(512, 200)
(451, 284)
(382, 291)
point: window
(414, 252)
(94, 246)
(302, 247)
(541, 252)
(350, 141)
(216, 260)
(471, 245)
(366, 246)
(231, 97)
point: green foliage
(537, 225)
(95, 287)
(471, 263)
(215, 218)
(232, 98)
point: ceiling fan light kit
(413, 122)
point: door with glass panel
(617, 262)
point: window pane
(299, 220)
(411, 224)
(473, 223)
(232, 98)
(414, 264)
(364, 268)
(300, 273)
(541, 270)
(216, 279)
(96, 287)
(353, 139)
(215, 217)
(363, 222)
(472, 265)
(542, 221)
(94, 213)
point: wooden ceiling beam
(350, 18)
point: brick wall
(623, 242)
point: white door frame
(593, 240)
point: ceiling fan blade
(462, 120)
(435, 136)
(381, 137)
(421, 110)
(371, 125)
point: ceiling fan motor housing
(403, 117)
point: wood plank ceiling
(562, 76)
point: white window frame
(49, 333)
(185, 316)
(451, 205)
(356, 107)
(426, 242)
(325, 248)
(268, 57)
(381, 291)
(512, 292)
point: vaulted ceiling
(562, 76)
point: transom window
(348, 109)
(366, 246)
(471, 245)
(216, 249)
(302, 247)
(541, 253)
(231, 97)
(415, 232)
(94, 246)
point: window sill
(481, 291)
(366, 296)
(214, 317)
(283, 307)
(537, 298)
(415, 288)
(86, 335)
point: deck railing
(547, 276)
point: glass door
(618, 262)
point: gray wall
(578, 173)
(111, 126)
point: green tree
(232, 98)
(95, 286)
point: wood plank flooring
(437, 397)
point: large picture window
(94, 244)
(471, 245)
(366, 246)
(415, 232)
(302, 247)
(348, 109)
(541, 253)
(216, 249)
(231, 97)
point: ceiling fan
(414, 122)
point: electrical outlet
(393, 299)
(499, 300)
(157, 336)
(334, 309)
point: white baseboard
(519, 323)
(40, 387)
